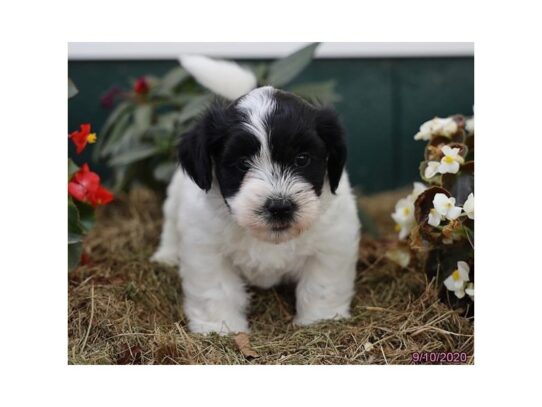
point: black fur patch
(294, 128)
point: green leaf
(106, 145)
(72, 168)
(86, 215)
(167, 121)
(317, 92)
(72, 89)
(260, 71)
(136, 154)
(76, 231)
(121, 110)
(143, 117)
(164, 171)
(172, 80)
(284, 70)
(195, 107)
(74, 255)
(113, 128)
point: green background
(384, 101)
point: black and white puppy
(262, 198)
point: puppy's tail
(225, 78)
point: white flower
(417, 190)
(404, 216)
(469, 125)
(404, 211)
(434, 217)
(399, 255)
(470, 290)
(446, 206)
(432, 169)
(437, 127)
(225, 78)
(457, 280)
(468, 206)
(451, 160)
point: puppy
(262, 198)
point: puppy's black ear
(330, 130)
(197, 146)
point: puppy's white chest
(265, 264)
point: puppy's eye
(243, 164)
(302, 160)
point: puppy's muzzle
(280, 212)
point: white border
(257, 50)
(33, 261)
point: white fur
(257, 106)
(266, 179)
(225, 78)
(219, 251)
(217, 257)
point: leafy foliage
(84, 192)
(442, 226)
(138, 140)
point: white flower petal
(464, 270)
(468, 206)
(459, 284)
(460, 293)
(434, 218)
(453, 152)
(417, 189)
(399, 255)
(225, 78)
(446, 150)
(422, 136)
(405, 231)
(470, 290)
(441, 203)
(437, 127)
(404, 211)
(432, 169)
(449, 283)
(453, 213)
(469, 125)
(451, 168)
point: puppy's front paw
(308, 318)
(221, 328)
(165, 256)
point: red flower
(85, 187)
(82, 137)
(141, 86)
(108, 98)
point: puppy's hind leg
(168, 249)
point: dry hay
(125, 310)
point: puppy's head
(271, 154)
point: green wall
(384, 101)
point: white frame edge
(263, 50)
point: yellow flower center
(448, 160)
(406, 210)
(455, 275)
(91, 138)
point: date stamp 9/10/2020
(439, 358)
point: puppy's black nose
(280, 208)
